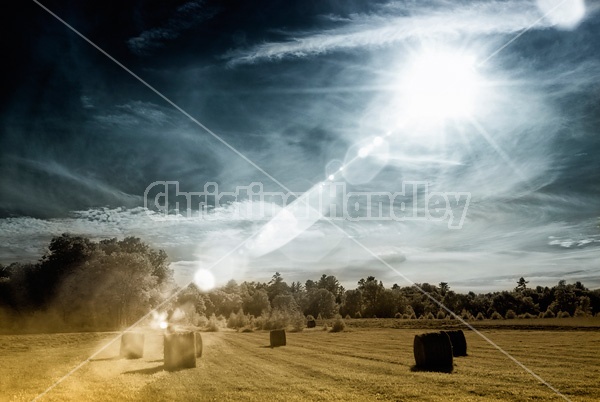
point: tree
(310, 285)
(109, 290)
(255, 300)
(444, 288)
(231, 287)
(296, 287)
(526, 304)
(65, 254)
(503, 302)
(225, 303)
(320, 301)
(452, 301)
(134, 245)
(4, 272)
(193, 296)
(387, 304)
(331, 284)
(353, 303)
(371, 291)
(565, 298)
(285, 303)
(521, 284)
(277, 286)
(17, 287)
(583, 308)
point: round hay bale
(198, 344)
(433, 351)
(458, 341)
(132, 345)
(311, 323)
(277, 337)
(180, 350)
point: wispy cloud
(184, 18)
(423, 251)
(133, 113)
(45, 186)
(296, 120)
(401, 21)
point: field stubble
(363, 363)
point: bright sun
(204, 279)
(440, 85)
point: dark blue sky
(297, 87)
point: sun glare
(204, 279)
(440, 85)
(563, 14)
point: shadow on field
(147, 371)
(416, 369)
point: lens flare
(563, 14)
(204, 279)
(365, 159)
(440, 85)
(293, 220)
(158, 318)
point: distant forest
(110, 284)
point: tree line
(80, 283)
(109, 284)
(326, 297)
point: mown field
(372, 360)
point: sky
(482, 116)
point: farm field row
(359, 364)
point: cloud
(399, 22)
(45, 187)
(134, 113)
(531, 171)
(422, 251)
(183, 18)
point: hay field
(359, 364)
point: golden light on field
(325, 366)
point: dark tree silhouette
(444, 288)
(521, 284)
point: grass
(362, 363)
